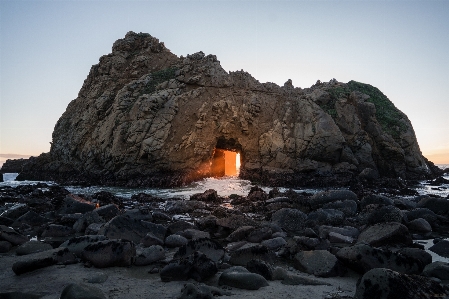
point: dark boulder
(32, 247)
(383, 283)
(82, 291)
(389, 233)
(241, 278)
(43, 259)
(207, 196)
(12, 236)
(210, 248)
(197, 266)
(362, 258)
(110, 253)
(321, 198)
(291, 220)
(320, 263)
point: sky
(402, 47)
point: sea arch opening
(226, 158)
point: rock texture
(147, 117)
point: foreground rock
(239, 277)
(110, 253)
(382, 283)
(81, 291)
(43, 259)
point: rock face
(146, 117)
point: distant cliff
(147, 117)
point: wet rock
(179, 226)
(43, 259)
(439, 270)
(110, 253)
(419, 225)
(439, 206)
(259, 234)
(240, 233)
(191, 291)
(374, 199)
(85, 220)
(321, 198)
(16, 211)
(348, 207)
(369, 174)
(183, 206)
(235, 221)
(261, 268)
(291, 220)
(175, 241)
(132, 229)
(386, 234)
(149, 255)
(339, 238)
(241, 278)
(210, 248)
(326, 216)
(32, 247)
(383, 214)
(77, 244)
(30, 218)
(274, 244)
(56, 230)
(420, 255)
(306, 243)
(197, 266)
(425, 213)
(349, 231)
(362, 258)
(74, 204)
(82, 291)
(257, 194)
(5, 246)
(207, 196)
(383, 283)
(150, 239)
(107, 212)
(139, 214)
(194, 234)
(93, 229)
(244, 254)
(441, 248)
(293, 279)
(320, 263)
(10, 235)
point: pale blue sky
(401, 47)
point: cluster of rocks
(247, 241)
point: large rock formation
(146, 117)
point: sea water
(224, 186)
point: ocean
(224, 186)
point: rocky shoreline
(332, 244)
